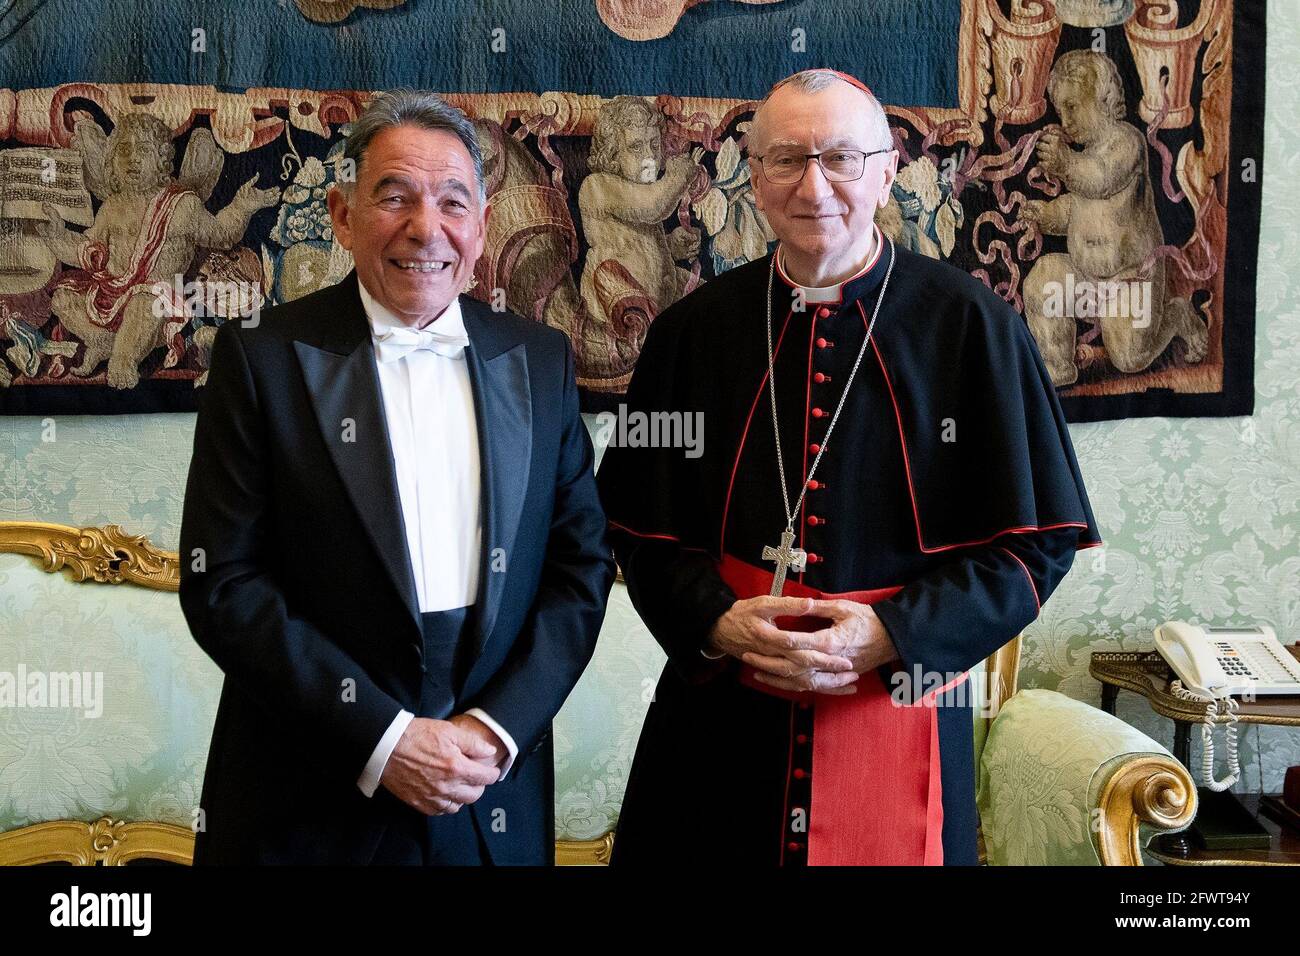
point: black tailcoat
(297, 582)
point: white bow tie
(394, 343)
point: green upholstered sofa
(1060, 782)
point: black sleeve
(233, 604)
(680, 596)
(947, 620)
(560, 634)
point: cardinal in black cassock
(949, 499)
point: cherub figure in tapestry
(923, 213)
(120, 296)
(631, 265)
(1112, 275)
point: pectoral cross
(785, 557)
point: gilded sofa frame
(1154, 790)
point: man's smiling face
(413, 221)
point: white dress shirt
(429, 409)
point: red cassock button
(814, 485)
(794, 847)
(799, 773)
(814, 558)
(821, 377)
(801, 739)
(823, 312)
(814, 520)
(815, 448)
(817, 413)
(824, 343)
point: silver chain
(771, 382)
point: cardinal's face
(413, 221)
(817, 220)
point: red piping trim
(880, 242)
(902, 442)
(1027, 529)
(789, 768)
(807, 413)
(1038, 605)
(907, 467)
(726, 505)
(641, 534)
(661, 537)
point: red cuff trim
(658, 537)
(643, 534)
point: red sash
(877, 796)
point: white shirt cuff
(509, 742)
(369, 779)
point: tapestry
(164, 167)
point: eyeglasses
(838, 165)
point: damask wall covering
(1199, 516)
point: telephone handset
(1212, 664)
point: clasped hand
(827, 661)
(439, 766)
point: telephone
(1219, 661)
(1212, 664)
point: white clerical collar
(830, 293)
(450, 321)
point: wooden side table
(1147, 673)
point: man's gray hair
(406, 107)
(814, 81)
